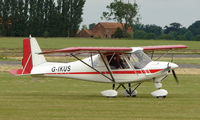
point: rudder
(27, 57)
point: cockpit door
(117, 62)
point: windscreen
(139, 59)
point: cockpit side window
(117, 62)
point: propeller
(174, 74)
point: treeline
(174, 31)
(40, 17)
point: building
(85, 33)
(103, 30)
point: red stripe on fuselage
(113, 72)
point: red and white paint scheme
(116, 65)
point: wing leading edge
(111, 49)
(89, 50)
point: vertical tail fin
(31, 57)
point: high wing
(79, 50)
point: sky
(159, 12)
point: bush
(150, 36)
(128, 35)
(140, 34)
(166, 37)
(180, 37)
(120, 34)
(46, 34)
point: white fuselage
(78, 70)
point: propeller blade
(174, 74)
(168, 64)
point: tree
(18, 17)
(84, 27)
(157, 30)
(76, 11)
(173, 27)
(39, 17)
(197, 37)
(65, 17)
(176, 31)
(188, 35)
(182, 31)
(6, 12)
(91, 26)
(32, 24)
(138, 27)
(52, 19)
(118, 33)
(1, 15)
(122, 12)
(195, 28)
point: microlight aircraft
(125, 67)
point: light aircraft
(120, 66)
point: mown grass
(22, 98)
(16, 42)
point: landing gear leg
(129, 92)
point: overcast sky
(159, 12)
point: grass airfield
(22, 98)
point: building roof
(103, 30)
(88, 31)
(111, 25)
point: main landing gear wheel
(109, 93)
(128, 92)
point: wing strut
(113, 79)
(152, 54)
(91, 67)
(163, 54)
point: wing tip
(164, 47)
